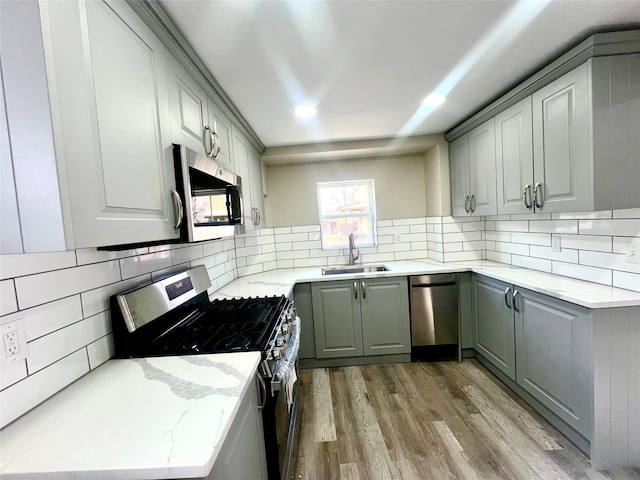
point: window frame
(371, 212)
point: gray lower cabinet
(242, 456)
(553, 356)
(365, 317)
(493, 323)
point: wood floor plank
(437, 421)
(323, 419)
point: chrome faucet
(352, 246)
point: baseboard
(352, 361)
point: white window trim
(371, 214)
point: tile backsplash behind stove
(63, 297)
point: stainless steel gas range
(174, 316)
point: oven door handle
(263, 392)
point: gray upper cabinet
(553, 356)
(459, 165)
(514, 158)
(336, 319)
(493, 326)
(473, 172)
(361, 317)
(562, 168)
(249, 167)
(111, 122)
(221, 126)
(385, 316)
(257, 195)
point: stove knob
(278, 353)
(286, 329)
(281, 342)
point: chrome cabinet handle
(513, 300)
(259, 216)
(355, 289)
(472, 203)
(215, 139)
(179, 209)
(536, 195)
(467, 200)
(207, 135)
(506, 297)
(364, 290)
(527, 198)
(263, 392)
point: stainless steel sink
(345, 269)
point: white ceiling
(367, 65)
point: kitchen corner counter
(151, 418)
(586, 294)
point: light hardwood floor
(441, 420)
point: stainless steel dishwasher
(434, 315)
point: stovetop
(230, 325)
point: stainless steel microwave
(208, 197)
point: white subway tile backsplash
(581, 215)
(310, 262)
(554, 226)
(212, 248)
(262, 258)
(241, 262)
(280, 230)
(628, 227)
(460, 219)
(514, 248)
(477, 245)
(48, 349)
(308, 245)
(581, 272)
(13, 373)
(247, 251)
(262, 240)
(452, 227)
(422, 228)
(394, 247)
(266, 231)
(182, 255)
(384, 223)
(418, 245)
(473, 226)
(461, 237)
(36, 289)
(499, 257)
(498, 236)
(228, 244)
(39, 321)
(627, 213)
(34, 389)
(398, 230)
(434, 237)
(92, 255)
(437, 256)
(284, 247)
(452, 247)
(100, 351)
(543, 239)
(135, 266)
(250, 270)
(630, 281)
(305, 228)
(530, 216)
(614, 261)
(530, 262)
(409, 221)
(512, 226)
(29, 263)
(385, 239)
(268, 248)
(378, 257)
(291, 237)
(270, 266)
(284, 263)
(564, 255)
(462, 256)
(292, 254)
(586, 242)
(412, 255)
(413, 237)
(8, 301)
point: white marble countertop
(587, 294)
(147, 418)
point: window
(347, 207)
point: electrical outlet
(632, 252)
(555, 245)
(14, 343)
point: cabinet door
(493, 335)
(514, 157)
(459, 163)
(11, 240)
(222, 126)
(241, 162)
(242, 456)
(255, 178)
(385, 316)
(304, 307)
(111, 122)
(482, 169)
(553, 345)
(562, 160)
(336, 319)
(188, 109)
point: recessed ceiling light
(434, 100)
(305, 110)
